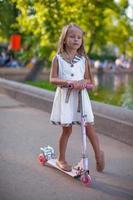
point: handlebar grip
(89, 86)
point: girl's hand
(76, 85)
(79, 85)
(82, 84)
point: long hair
(81, 50)
(61, 44)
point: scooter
(80, 171)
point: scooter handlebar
(89, 86)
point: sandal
(63, 165)
(100, 164)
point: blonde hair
(81, 50)
(61, 44)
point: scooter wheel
(42, 159)
(86, 180)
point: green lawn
(101, 94)
(42, 84)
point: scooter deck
(75, 173)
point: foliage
(8, 14)
(40, 22)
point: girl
(70, 71)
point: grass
(101, 94)
(42, 84)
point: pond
(116, 89)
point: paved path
(23, 130)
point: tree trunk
(35, 71)
(91, 45)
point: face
(74, 38)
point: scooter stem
(83, 134)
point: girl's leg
(99, 155)
(66, 132)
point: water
(111, 88)
(118, 88)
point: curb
(110, 120)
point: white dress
(66, 113)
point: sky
(130, 9)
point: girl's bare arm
(65, 83)
(54, 74)
(88, 75)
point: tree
(105, 23)
(8, 14)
